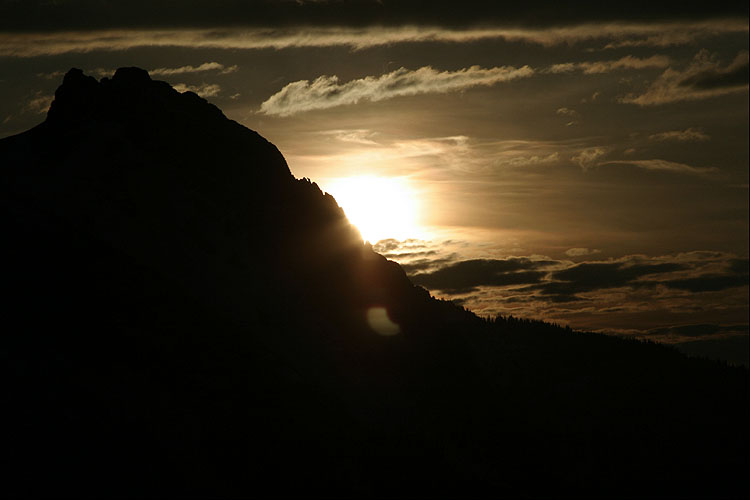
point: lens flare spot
(377, 318)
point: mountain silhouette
(183, 317)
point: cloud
(182, 70)
(387, 245)
(709, 283)
(32, 43)
(699, 330)
(578, 252)
(39, 104)
(45, 15)
(591, 157)
(560, 68)
(627, 62)
(664, 166)
(704, 77)
(596, 67)
(566, 112)
(524, 161)
(740, 266)
(570, 113)
(410, 247)
(467, 275)
(401, 255)
(687, 135)
(53, 75)
(428, 158)
(588, 157)
(728, 343)
(721, 341)
(326, 91)
(415, 266)
(209, 66)
(591, 276)
(614, 294)
(203, 90)
(355, 136)
(416, 255)
(562, 281)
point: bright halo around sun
(380, 207)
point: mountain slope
(183, 317)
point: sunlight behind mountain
(380, 207)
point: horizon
(590, 171)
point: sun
(380, 207)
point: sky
(584, 165)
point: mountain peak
(132, 76)
(130, 95)
(132, 106)
(75, 76)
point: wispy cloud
(664, 166)
(31, 44)
(571, 114)
(673, 35)
(703, 78)
(511, 160)
(159, 72)
(326, 91)
(53, 75)
(579, 251)
(355, 136)
(589, 157)
(595, 67)
(208, 66)
(687, 135)
(203, 90)
(567, 112)
(461, 160)
(39, 103)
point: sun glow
(380, 207)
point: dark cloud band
(561, 281)
(95, 14)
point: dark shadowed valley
(183, 317)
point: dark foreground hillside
(182, 317)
